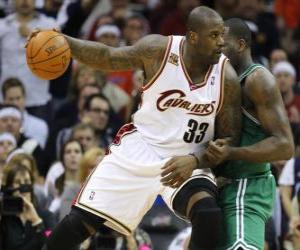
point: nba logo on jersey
(212, 82)
(173, 58)
(92, 195)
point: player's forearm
(93, 54)
(268, 150)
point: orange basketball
(48, 54)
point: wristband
(197, 158)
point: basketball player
(191, 96)
(247, 197)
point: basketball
(48, 54)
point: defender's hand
(218, 151)
(177, 170)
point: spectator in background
(108, 34)
(175, 22)
(226, 8)
(295, 221)
(13, 93)
(25, 229)
(289, 183)
(66, 186)
(7, 144)
(28, 161)
(82, 132)
(70, 112)
(90, 159)
(97, 112)
(288, 13)
(286, 78)
(276, 56)
(262, 25)
(14, 30)
(102, 20)
(11, 121)
(86, 135)
(134, 29)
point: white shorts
(124, 186)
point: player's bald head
(200, 17)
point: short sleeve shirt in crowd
(13, 60)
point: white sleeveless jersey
(177, 117)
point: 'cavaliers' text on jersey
(176, 116)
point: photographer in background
(23, 225)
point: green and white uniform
(247, 200)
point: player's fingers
(210, 156)
(32, 34)
(56, 29)
(213, 151)
(172, 181)
(168, 163)
(178, 183)
(168, 177)
(214, 145)
(221, 142)
(169, 169)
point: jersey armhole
(222, 77)
(162, 66)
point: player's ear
(193, 37)
(242, 45)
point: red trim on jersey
(124, 130)
(192, 85)
(221, 98)
(162, 66)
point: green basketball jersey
(252, 132)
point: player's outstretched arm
(145, 53)
(263, 91)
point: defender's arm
(264, 93)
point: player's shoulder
(230, 75)
(260, 83)
(260, 78)
(153, 40)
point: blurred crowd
(52, 133)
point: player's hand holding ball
(47, 53)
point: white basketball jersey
(176, 116)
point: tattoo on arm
(263, 91)
(228, 120)
(107, 58)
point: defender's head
(205, 30)
(237, 39)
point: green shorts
(246, 204)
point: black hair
(88, 101)
(12, 83)
(239, 29)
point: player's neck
(193, 63)
(244, 63)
